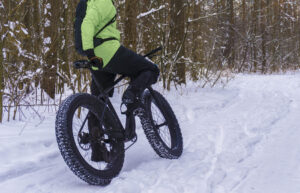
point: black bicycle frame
(104, 94)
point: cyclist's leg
(105, 79)
(138, 85)
(143, 73)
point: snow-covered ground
(244, 138)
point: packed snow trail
(240, 139)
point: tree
(176, 43)
(131, 11)
(50, 46)
(2, 10)
(200, 40)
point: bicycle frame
(104, 96)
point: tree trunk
(198, 44)
(176, 42)
(231, 55)
(244, 12)
(1, 63)
(1, 75)
(131, 11)
(263, 16)
(51, 33)
(254, 33)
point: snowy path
(241, 139)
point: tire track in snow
(227, 180)
(218, 150)
(24, 167)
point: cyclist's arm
(90, 22)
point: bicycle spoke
(86, 153)
(166, 137)
(160, 125)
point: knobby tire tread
(153, 137)
(68, 147)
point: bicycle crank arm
(115, 134)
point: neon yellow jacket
(98, 14)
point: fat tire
(68, 148)
(152, 134)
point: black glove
(97, 62)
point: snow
(24, 31)
(48, 6)
(12, 25)
(240, 139)
(47, 23)
(150, 11)
(47, 40)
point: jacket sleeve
(90, 22)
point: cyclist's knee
(155, 74)
(151, 76)
(94, 89)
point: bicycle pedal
(115, 134)
(133, 141)
(131, 138)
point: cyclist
(111, 58)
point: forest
(204, 41)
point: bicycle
(74, 137)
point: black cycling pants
(142, 72)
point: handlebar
(82, 64)
(151, 54)
(87, 64)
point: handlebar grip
(82, 64)
(153, 52)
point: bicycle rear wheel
(161, 126)
(75, 138)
